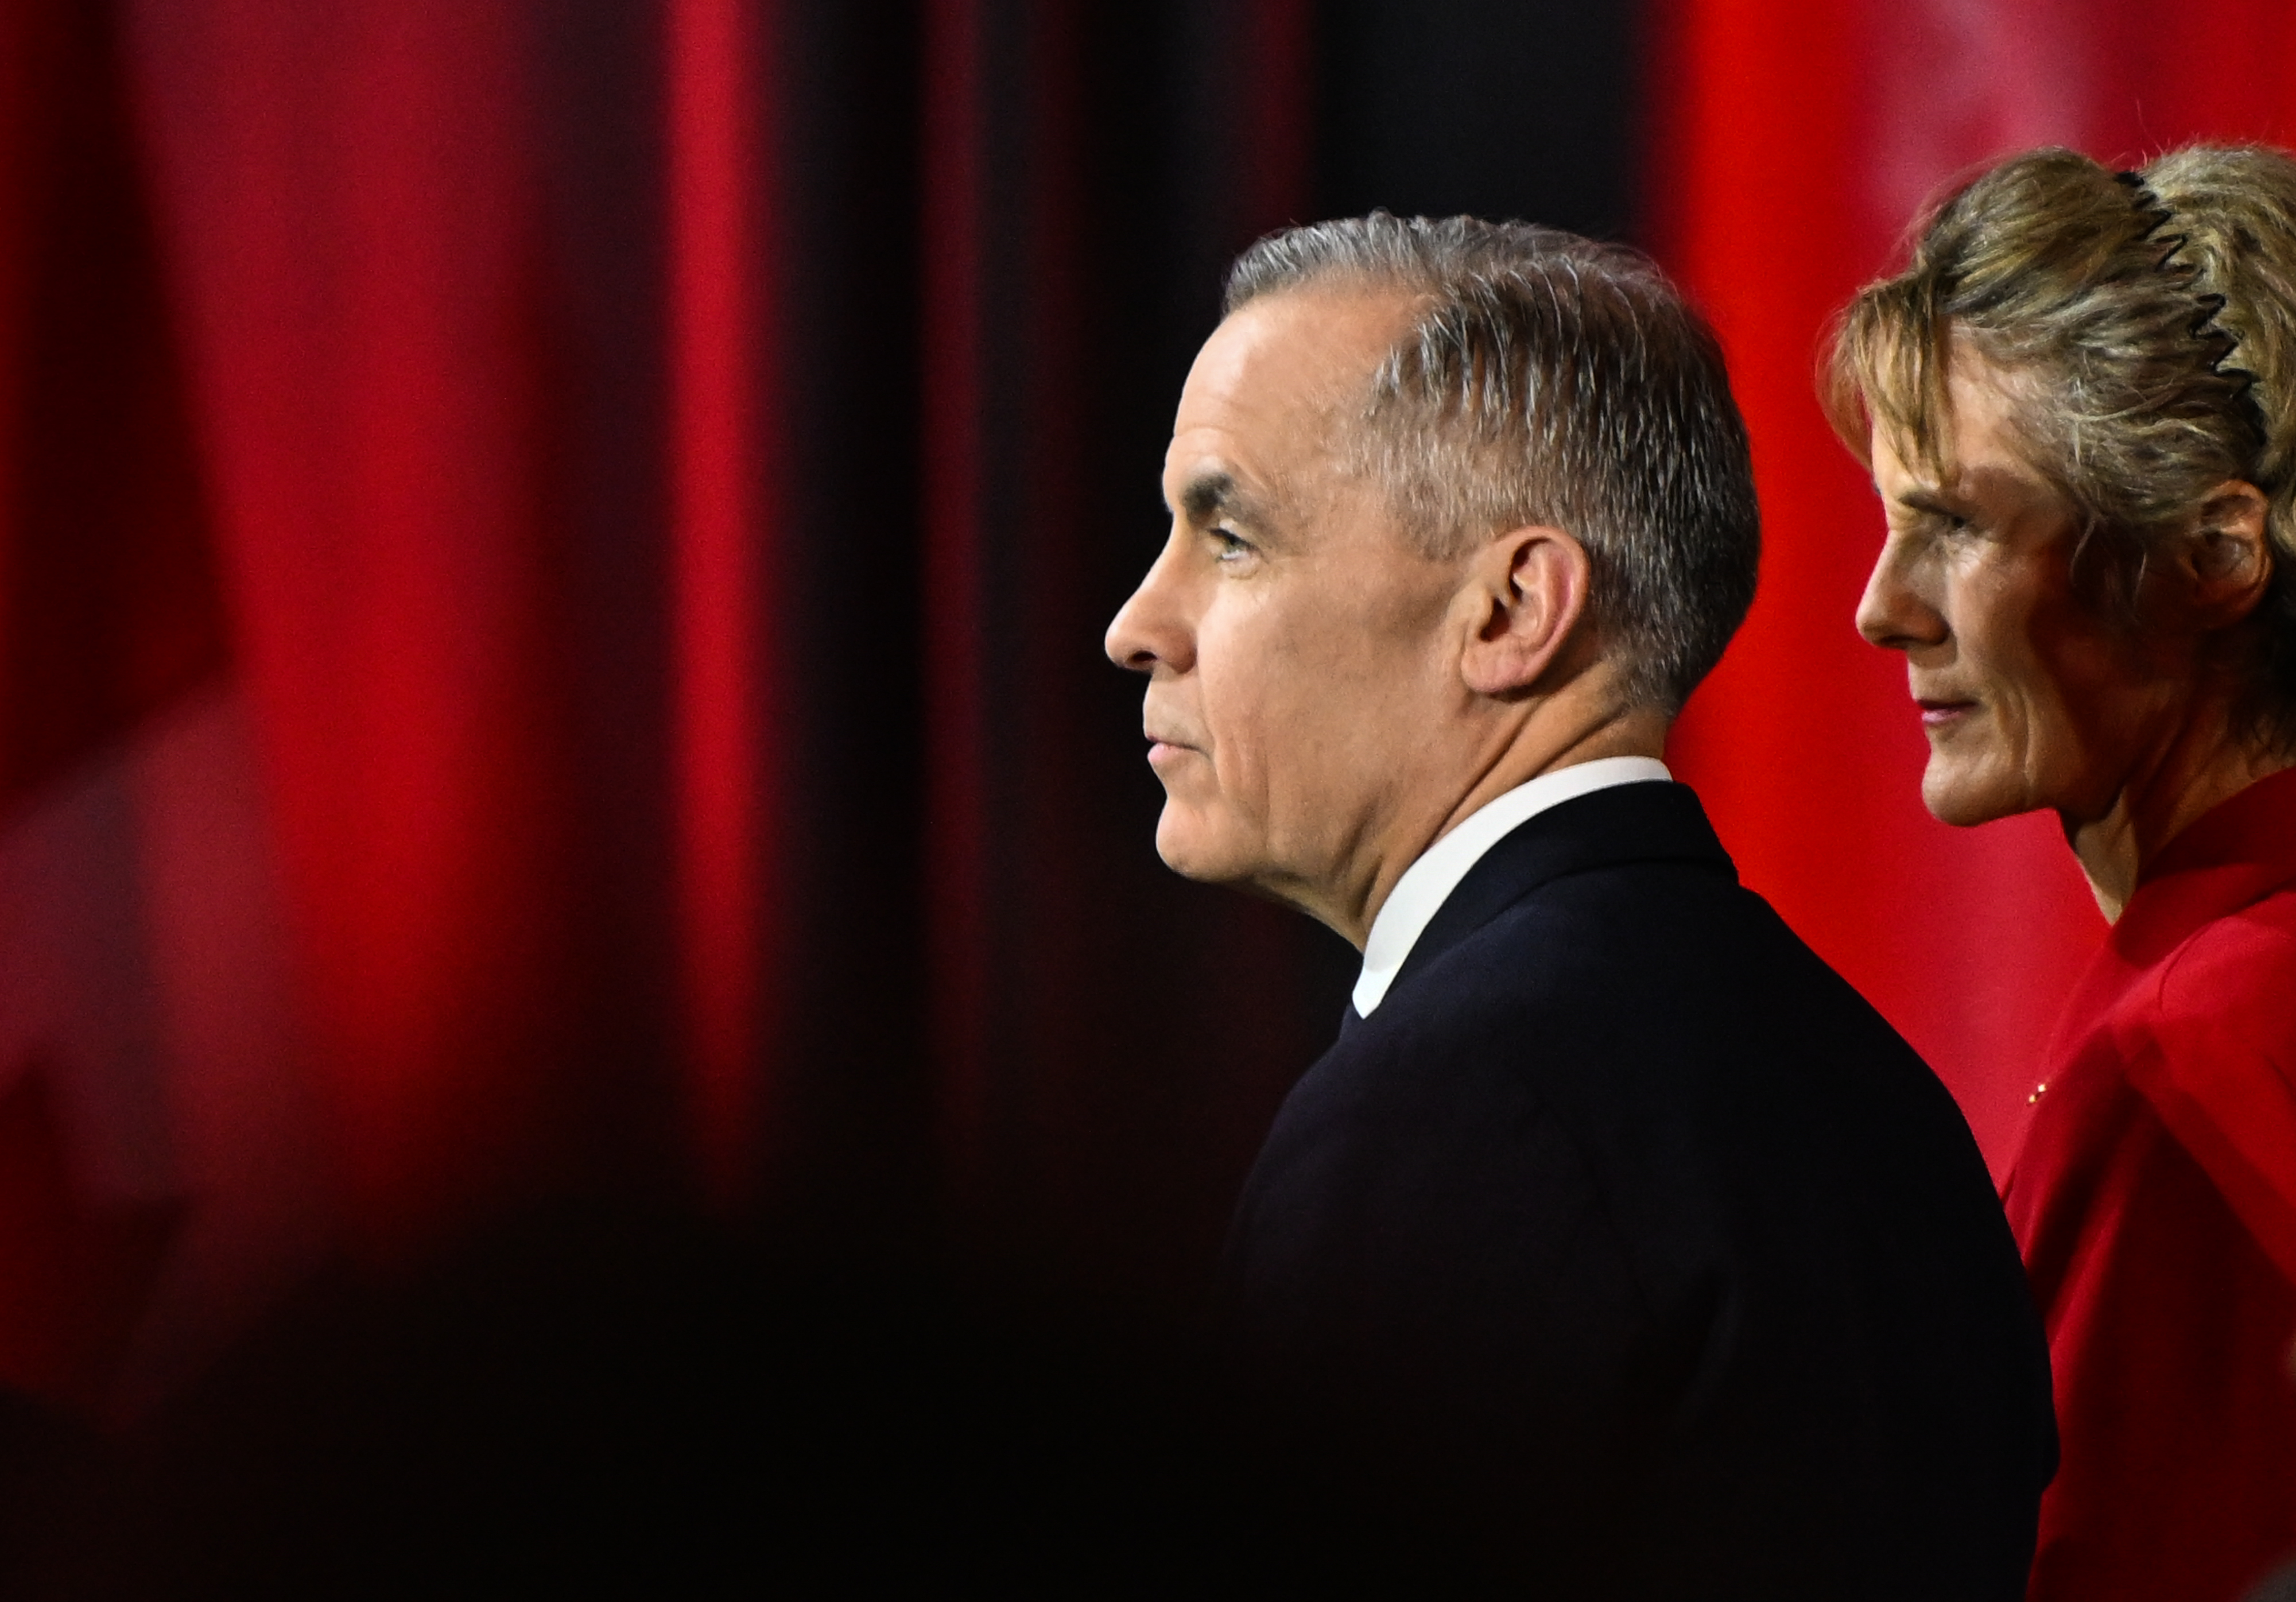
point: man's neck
(1640, 733)
(1541, 744)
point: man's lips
(1937, 712)
(1164, 748)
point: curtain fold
(553, 570)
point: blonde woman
(2078, 401)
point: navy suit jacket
(1629, 1246)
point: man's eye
(1233, 547)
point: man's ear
(1526, 590)
(2224, 558)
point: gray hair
(1548, 379)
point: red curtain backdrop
(551, 560)
(1792, 145)
(1038, 904)
(725, 469)
(295, 652)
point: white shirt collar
(1428, 882)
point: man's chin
(1194, 853)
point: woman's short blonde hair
(2146, 323)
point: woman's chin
(1957, 796)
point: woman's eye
(1948, 525)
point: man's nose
(1891, 613)
(1149, 627)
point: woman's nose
(1892, 614)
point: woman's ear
(2225, 555)
(1527, 589)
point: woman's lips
(1938, 714)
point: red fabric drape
(956, 704)
(1793, 145)
(348, 206)
(152, 1047)
(552, 564)
(723, 477)
(289, 879)
(1085, 1004)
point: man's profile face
(1291, 632)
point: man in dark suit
(1616, 1248)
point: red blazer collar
(2231, 856)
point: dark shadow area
(604, 1404)
(1526, 108)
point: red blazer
(2155, 1201)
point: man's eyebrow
(1210, 495)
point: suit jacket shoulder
(1621, 1186)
